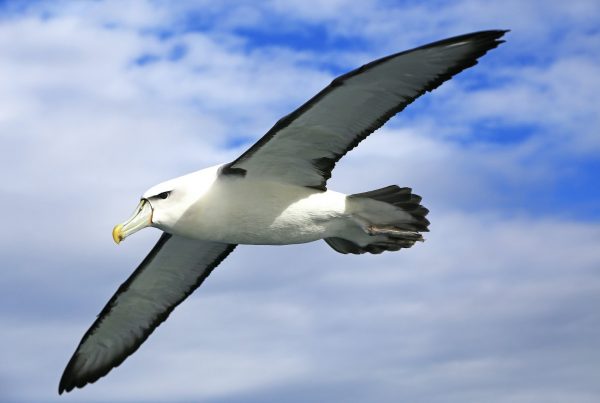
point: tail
(394, 233)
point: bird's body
(274, 194)
(237, 210)
(269, 213)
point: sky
(100, 100)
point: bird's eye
(163, 195)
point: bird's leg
(387, 230)
(393, 232)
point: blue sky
(100, 100)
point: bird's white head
(163, 205)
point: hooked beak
(141, 218)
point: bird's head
(163, 205)
(151, 208)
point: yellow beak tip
(116, 233)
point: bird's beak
(141, 218)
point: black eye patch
(163, 195)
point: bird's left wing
(173, 269)
(303, 147)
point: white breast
(244, 211)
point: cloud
(99, 101)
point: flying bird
(274, 193)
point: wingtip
(501, 33)
(70, 378)
(63, 385)
(498, 34)
(62, 388)
(494, 34)
(490, 39)
(66, 380)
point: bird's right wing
(173, 269)
(304, 146)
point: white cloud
(554, 99)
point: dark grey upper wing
(303, 147)
(174, 268)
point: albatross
(273, 194)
